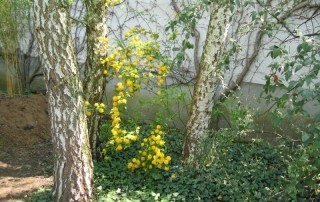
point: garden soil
(26, 158)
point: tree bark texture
(73, 168)
(95, 82)
(207, 81)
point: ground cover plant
(232, 171)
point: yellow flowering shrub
(134, 62)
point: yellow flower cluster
(100, 107)
(174, 35)
(111, 3)
(120, 136)
(126, 63)
(151, 155)
(133, 63)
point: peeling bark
(207, 81)
(73, 168)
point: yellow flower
(102, 105)
(166, 168)
(101, 110)
(129, 82)
(87, 103)
(118, 140)
(120, 76)
(127, 141)
(88, 113)
(96, 104)
(124, 101)
(120, 87)
(106, 158)
(130, 165)
(105, 72)
(119, 147)
(159, 92)
(219, 197)
(175, 14)
(127, 33)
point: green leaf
(316, 117)
(238, 3)
(305, 137)
(273, 88)
(175, 49)
(306, 94)
(227, 60)
(276, 122)
(316, 145)
(308, 80)
(298, 68)
(299, 48)
(193, 22)
(307, 62)
(231, 8)
(288, 75)
(253, 15)
(292, 84)
(306, 46)
(275, 53)
(181, 54)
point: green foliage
(231, 169)
(41, 195)
(115, 182)
(300, 88)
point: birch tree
(73, 169)
(207, 80)
(95, 82)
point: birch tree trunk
(207, 80)
(95, 82)
(73, 169)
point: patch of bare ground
(26, 159)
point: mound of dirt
(25, 146)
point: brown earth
(26, 159)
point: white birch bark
(73, 169)
(207, 80)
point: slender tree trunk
(95, 82)
(73, 169)
(207, 80)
